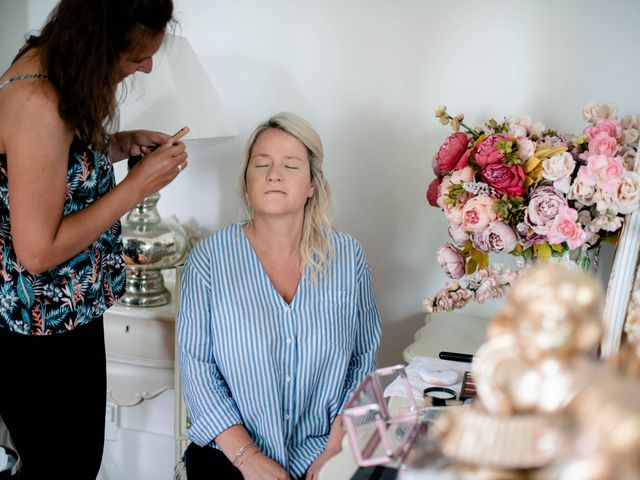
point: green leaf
(471, 265)
(25, 291)
(542, 251)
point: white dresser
(139, 437)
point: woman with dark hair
(61, 263)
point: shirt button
(286, 416)
(289, 341)
(287, 308)
(288, 378)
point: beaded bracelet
(236, 460)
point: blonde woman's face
(278, 175)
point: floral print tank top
(80, 289)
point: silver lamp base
(145, 288)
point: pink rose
(451, 261)
(433, 191)
(566, 228)
(499, 237)
(603, 144)
(487, 152)
(450, 155)
(477, 213)
(507, 180)
(544, 205)
(607, 125)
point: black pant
(207, 463)
(53, 400)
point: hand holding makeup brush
(162, 159)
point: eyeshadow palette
(468, 389)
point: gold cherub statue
(535, 358)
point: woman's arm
(37, 146)
(334, 446)
(253, 464)
(368, 330)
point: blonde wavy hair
(315, 247)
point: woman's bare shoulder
(29, 107)
(27, 103)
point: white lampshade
(176, 93)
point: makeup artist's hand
(260, 467)
(157, 169)
(135, 142)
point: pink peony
(450, 155)
(566, 228)
(477, 213)
(507, 180)
(544, 205)
(603, 144)
(602, 171)
(607, 125)
(478, 242)
(499, 237)
(451, 261)
(433, 191)
(458, 235)
(487, 152)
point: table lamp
(176, 93)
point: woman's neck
(280, 236)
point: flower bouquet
(518, 187)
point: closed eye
(292, 167)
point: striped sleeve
(368, 331)
(209, 403)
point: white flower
(526, 148)
(582, 193)
(523, 126)
(595, 111)
(628, 155)
(558, 169)
(630, 137)
(628, 194)
(629, 122)
(538, 128)
(605, 202)
(520, 126)
(584, 217)
(606, 222)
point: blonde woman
(278, 321)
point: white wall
(369, 74)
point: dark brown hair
(80, 46)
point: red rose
(507, 180)
(487, 152)
(433, 192)
(450, 155)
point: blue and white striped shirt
(249, 358)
